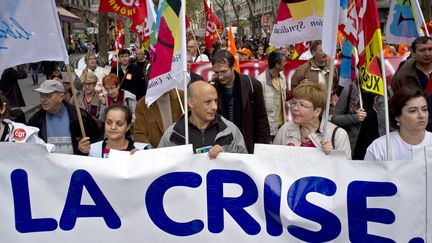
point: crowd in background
(232, 111)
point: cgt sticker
(19, 134)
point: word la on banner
(30, 32)
(297, 21)
(175, 196)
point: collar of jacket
(178, 135)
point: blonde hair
(313, 92)
(88, 78)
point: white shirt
(201, 58)
(377, 150)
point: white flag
(330, 25)
(403, 22)
(30, 32)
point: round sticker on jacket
(19, 134)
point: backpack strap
(334, 136)
(251, 92)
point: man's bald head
(202, 101)
(199, 87)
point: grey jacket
(228, 135)
(349, 121)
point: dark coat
(10, 87)
(255, 126)
(133, 81)
(90, 126)
(406, 76)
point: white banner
(281, 194)
(30, 32)
(298, 22)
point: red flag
(212, 25)
(119, 42)
(136, 10)
(187, 22)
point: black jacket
(133, 81)
(90, 126)
(254, 123)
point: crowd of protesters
(232, 111)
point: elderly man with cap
(57, 120)
(208, 131)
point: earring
(398, 124)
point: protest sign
(280, 194)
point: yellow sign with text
(370, 73)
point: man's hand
(214, 151)
(84, 145)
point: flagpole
(421, 16)
(196, 42)
(180, 101)
(387, 123)
(329, 95)
(217, 33)
(74, 97)
(184, 54)
(116, 51)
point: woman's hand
(361, 114)
(84, 145)
(133, 151)
(327, 146)
(101, 97)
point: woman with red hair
(115, 95)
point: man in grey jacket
(208, 131)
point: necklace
(87, 104)
(416, 142)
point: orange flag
(233, 49)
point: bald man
(208, 131)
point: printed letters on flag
(370, 45)
(30, 32)
(212, 25)
(297, 21)
(233, 49)
(403, 22)
(136, 10)
(169, 59)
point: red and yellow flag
(136, 10)
(370, 46)
(233, 49)
(213, 27)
